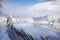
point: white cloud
(43, 8)
(58, 1)
(35, 10)
(15, 9)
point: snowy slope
(36, 32)
(3, 32)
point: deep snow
(37, 32)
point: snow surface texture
(3, 32)
(36, 32)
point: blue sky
(26, 1)
(18, 7)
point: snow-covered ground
(35, 31)
(3, 32)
